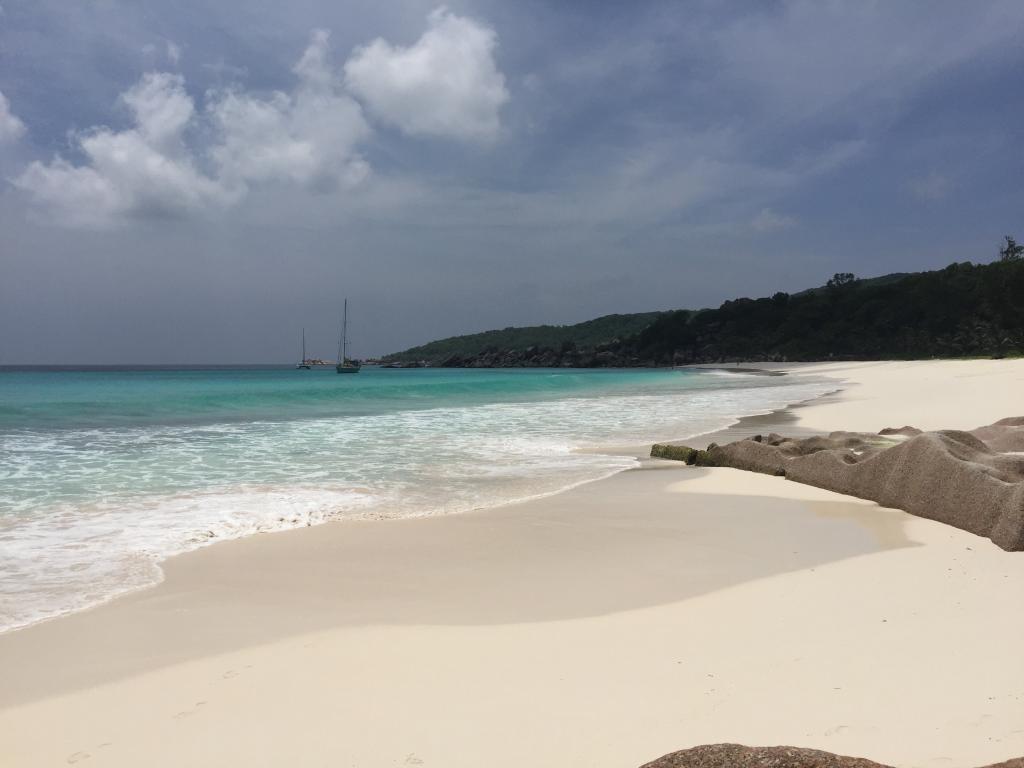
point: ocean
(106, 472)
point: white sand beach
(659, 609)
(927, 394)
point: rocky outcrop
(673, 452)
(1005, 435)
(905, 431)
(738, 756)
(690, 456)
(951, 476)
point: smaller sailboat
(344, 364)
(304, 361)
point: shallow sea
(106, 472)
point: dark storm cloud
(197, 181)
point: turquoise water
(104, 473)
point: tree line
(963, 310)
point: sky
(198, 181)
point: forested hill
(962, 310)
(489, 349)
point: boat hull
(347, 368)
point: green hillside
(587, 335)
(962, 310)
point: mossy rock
(672, 452)
(690, 456)
(702, 459)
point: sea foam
(89, 513)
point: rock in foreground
(738, 756)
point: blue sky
(197, 181)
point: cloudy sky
(196, 181)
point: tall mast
(344, 334)
(341, 343)
(303, 345)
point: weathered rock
(750, 455)
(691, 456)
(673, 452)
(1005, 435)
(950, 476)
(738, 756)
(905, 430)
(703, 459)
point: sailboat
(303, 362)
(344, 364)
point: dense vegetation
(588, 335)
(962, 310)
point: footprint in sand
(79, 756)
(411, 759)
(189, 712)
(837, 729)
(235, 672)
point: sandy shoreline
(658, 609)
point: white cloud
(161, 108)
(11, 128)
(308, 137)
(445, 84)
(173, 52)
(932, 187)
(144, 169)
(771, 221)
